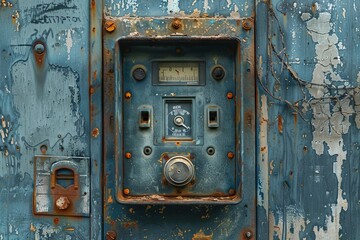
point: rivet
(128, 95)
(110, 26)
(230, 155)
(128, 155)
(126, 191)
(176, 23)
(229, 95)
(248, 234)
(246, 24)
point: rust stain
(263, 149)
(95, 132)
(56, 221)
(32, 227)
(110, 199)
(95, 75)
(280, 123)
(130, 224)
(201, 236)
(314, 7)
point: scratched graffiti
(52, 13)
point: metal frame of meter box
(244, 96)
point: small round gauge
(179, 120)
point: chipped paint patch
(287, 225)
(331, 118)
(263, 180)
(173, 6)
(69, 43)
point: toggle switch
(144, 117)
(213, 116)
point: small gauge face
(179, 120)
(180, 72)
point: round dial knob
(179, 171)
(139, 73)
(218, 73)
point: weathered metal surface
(307, 116)
(308, 119)
(43, 107)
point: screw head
(229, 95)
(110, 235)
(176, 24)
(110, 26)
(62, 203)
(126, 191)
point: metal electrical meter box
(177, 120)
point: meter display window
(178, 72)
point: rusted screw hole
(43, 148)
(147, 150)
(210, 150)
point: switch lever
(144, 117)
(213, 116)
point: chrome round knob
(179, 171)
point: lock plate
(62, 186)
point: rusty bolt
(230, 155)
(62, 203)
(229, 95)
(231, 191)
(126, 191)
(128, 155)
(110, 26)
(128, 95)
(248, 234)
(110, 235)
(39, 48)
(95, 132)
(176, 24)
(246, 24)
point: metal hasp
(178, 109)
(62, 186)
